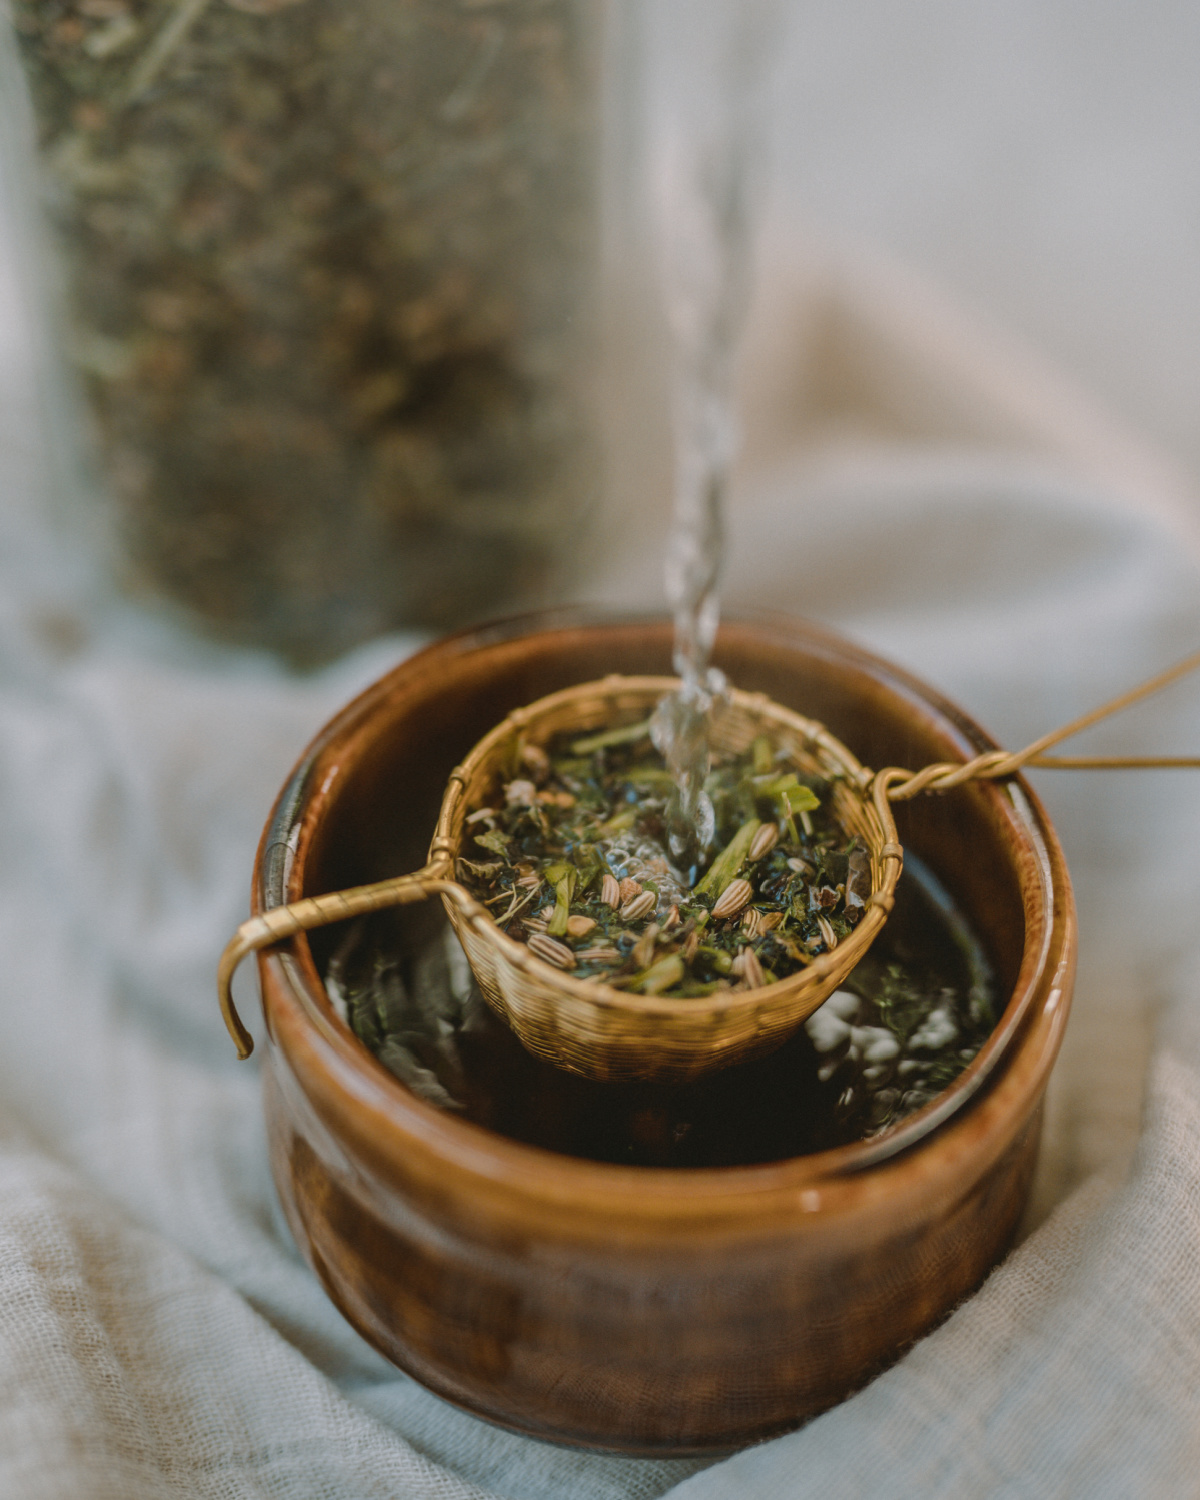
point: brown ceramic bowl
(644, 1309)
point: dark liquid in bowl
(906, 1023)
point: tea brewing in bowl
(642, 1308)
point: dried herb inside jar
(572, 860)
(326, 269)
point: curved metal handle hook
(281, 922)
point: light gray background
(1040, 158)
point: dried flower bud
(552, 951)
(630, 887)
(520, 794)
(752, 922)
(733, 898)
(546, 912)
(579, 926)
(640, 905)
(828, 934)
(672, 919)
(764, 841)
(610, 891)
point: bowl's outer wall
(642, 1310)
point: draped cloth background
(910, 479)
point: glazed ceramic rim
(1044, 972)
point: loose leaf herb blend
(572, 860)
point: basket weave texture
(606, 1033)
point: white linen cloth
(908, 479)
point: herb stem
(627, 735)
(158, 53)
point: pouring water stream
(708, 141)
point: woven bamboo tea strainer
(610, 1034)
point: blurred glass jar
(331, 272)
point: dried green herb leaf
(495, 840)
(661, 976)
(562, 877)
(801, 799)
(730, 860)
(762, 755)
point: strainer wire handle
(898, 785)
(270, 927)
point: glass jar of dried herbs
(329, 277)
